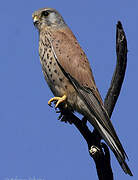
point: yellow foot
(58, 99)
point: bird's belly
(55, 81)
(55, 78)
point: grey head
(47, 17)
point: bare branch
(119, 73)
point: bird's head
(47, 17)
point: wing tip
(126, 168)
(123, 164)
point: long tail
(99, 118)
(120, 155)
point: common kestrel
(69, 76)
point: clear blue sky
(33, 143)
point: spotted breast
(56, 80)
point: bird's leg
(58, 99)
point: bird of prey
(69, 76)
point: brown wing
(73, 59)
(74, 64)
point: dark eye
(45, 13)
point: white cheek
(52, 17)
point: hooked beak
(35, 20)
